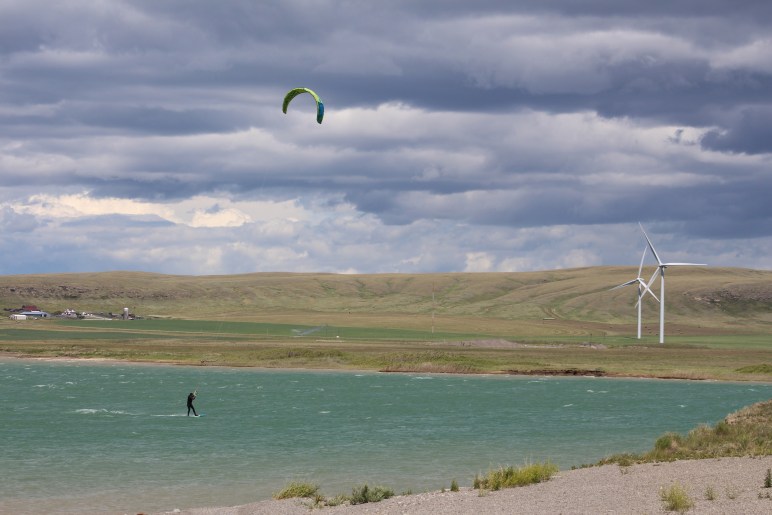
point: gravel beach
(737, 485)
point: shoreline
(715, 485)
(540, 373)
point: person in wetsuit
(191, 396)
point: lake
(85, 437)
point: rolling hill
(571, 301)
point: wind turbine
(642, 289)
(661, 271)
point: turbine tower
(642, 289)
(661, 271)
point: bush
(511, 477)
(454, 486)
(676, 499)
(364, 494)
(294, 490)
(336, 501)
(668, 442)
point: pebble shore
(736, 486)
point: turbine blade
(628, 283)
(656, 256)
(684, 264)
(647, 289)
(640, 268)
(653, 276)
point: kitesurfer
(191, 397)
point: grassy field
(719, 321)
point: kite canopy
(297, 91)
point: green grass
(510, 477)
(211, 329)
(756, 369)
(263, 344)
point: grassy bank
(217, 343)
(747, 432)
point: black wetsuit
(190, 404)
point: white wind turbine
(661, 271)
(642, 289)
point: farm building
(34, 314)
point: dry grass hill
(573, 301)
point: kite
(297, 91)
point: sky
(459, 136)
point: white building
(35, 314)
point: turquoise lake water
(81, 437)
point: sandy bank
(737, 485)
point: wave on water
(101, 411)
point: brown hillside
(732, 299)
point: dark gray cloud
(500, 136)
(746, 132)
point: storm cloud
(458, 136)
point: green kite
(297, 91)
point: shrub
(669, 442)
(768, 479)
(676, 499)
(512, 477)
(454, 486)
(295, 489)
(364, 494)
(710, 494)
(336, 501)
(722, 428)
